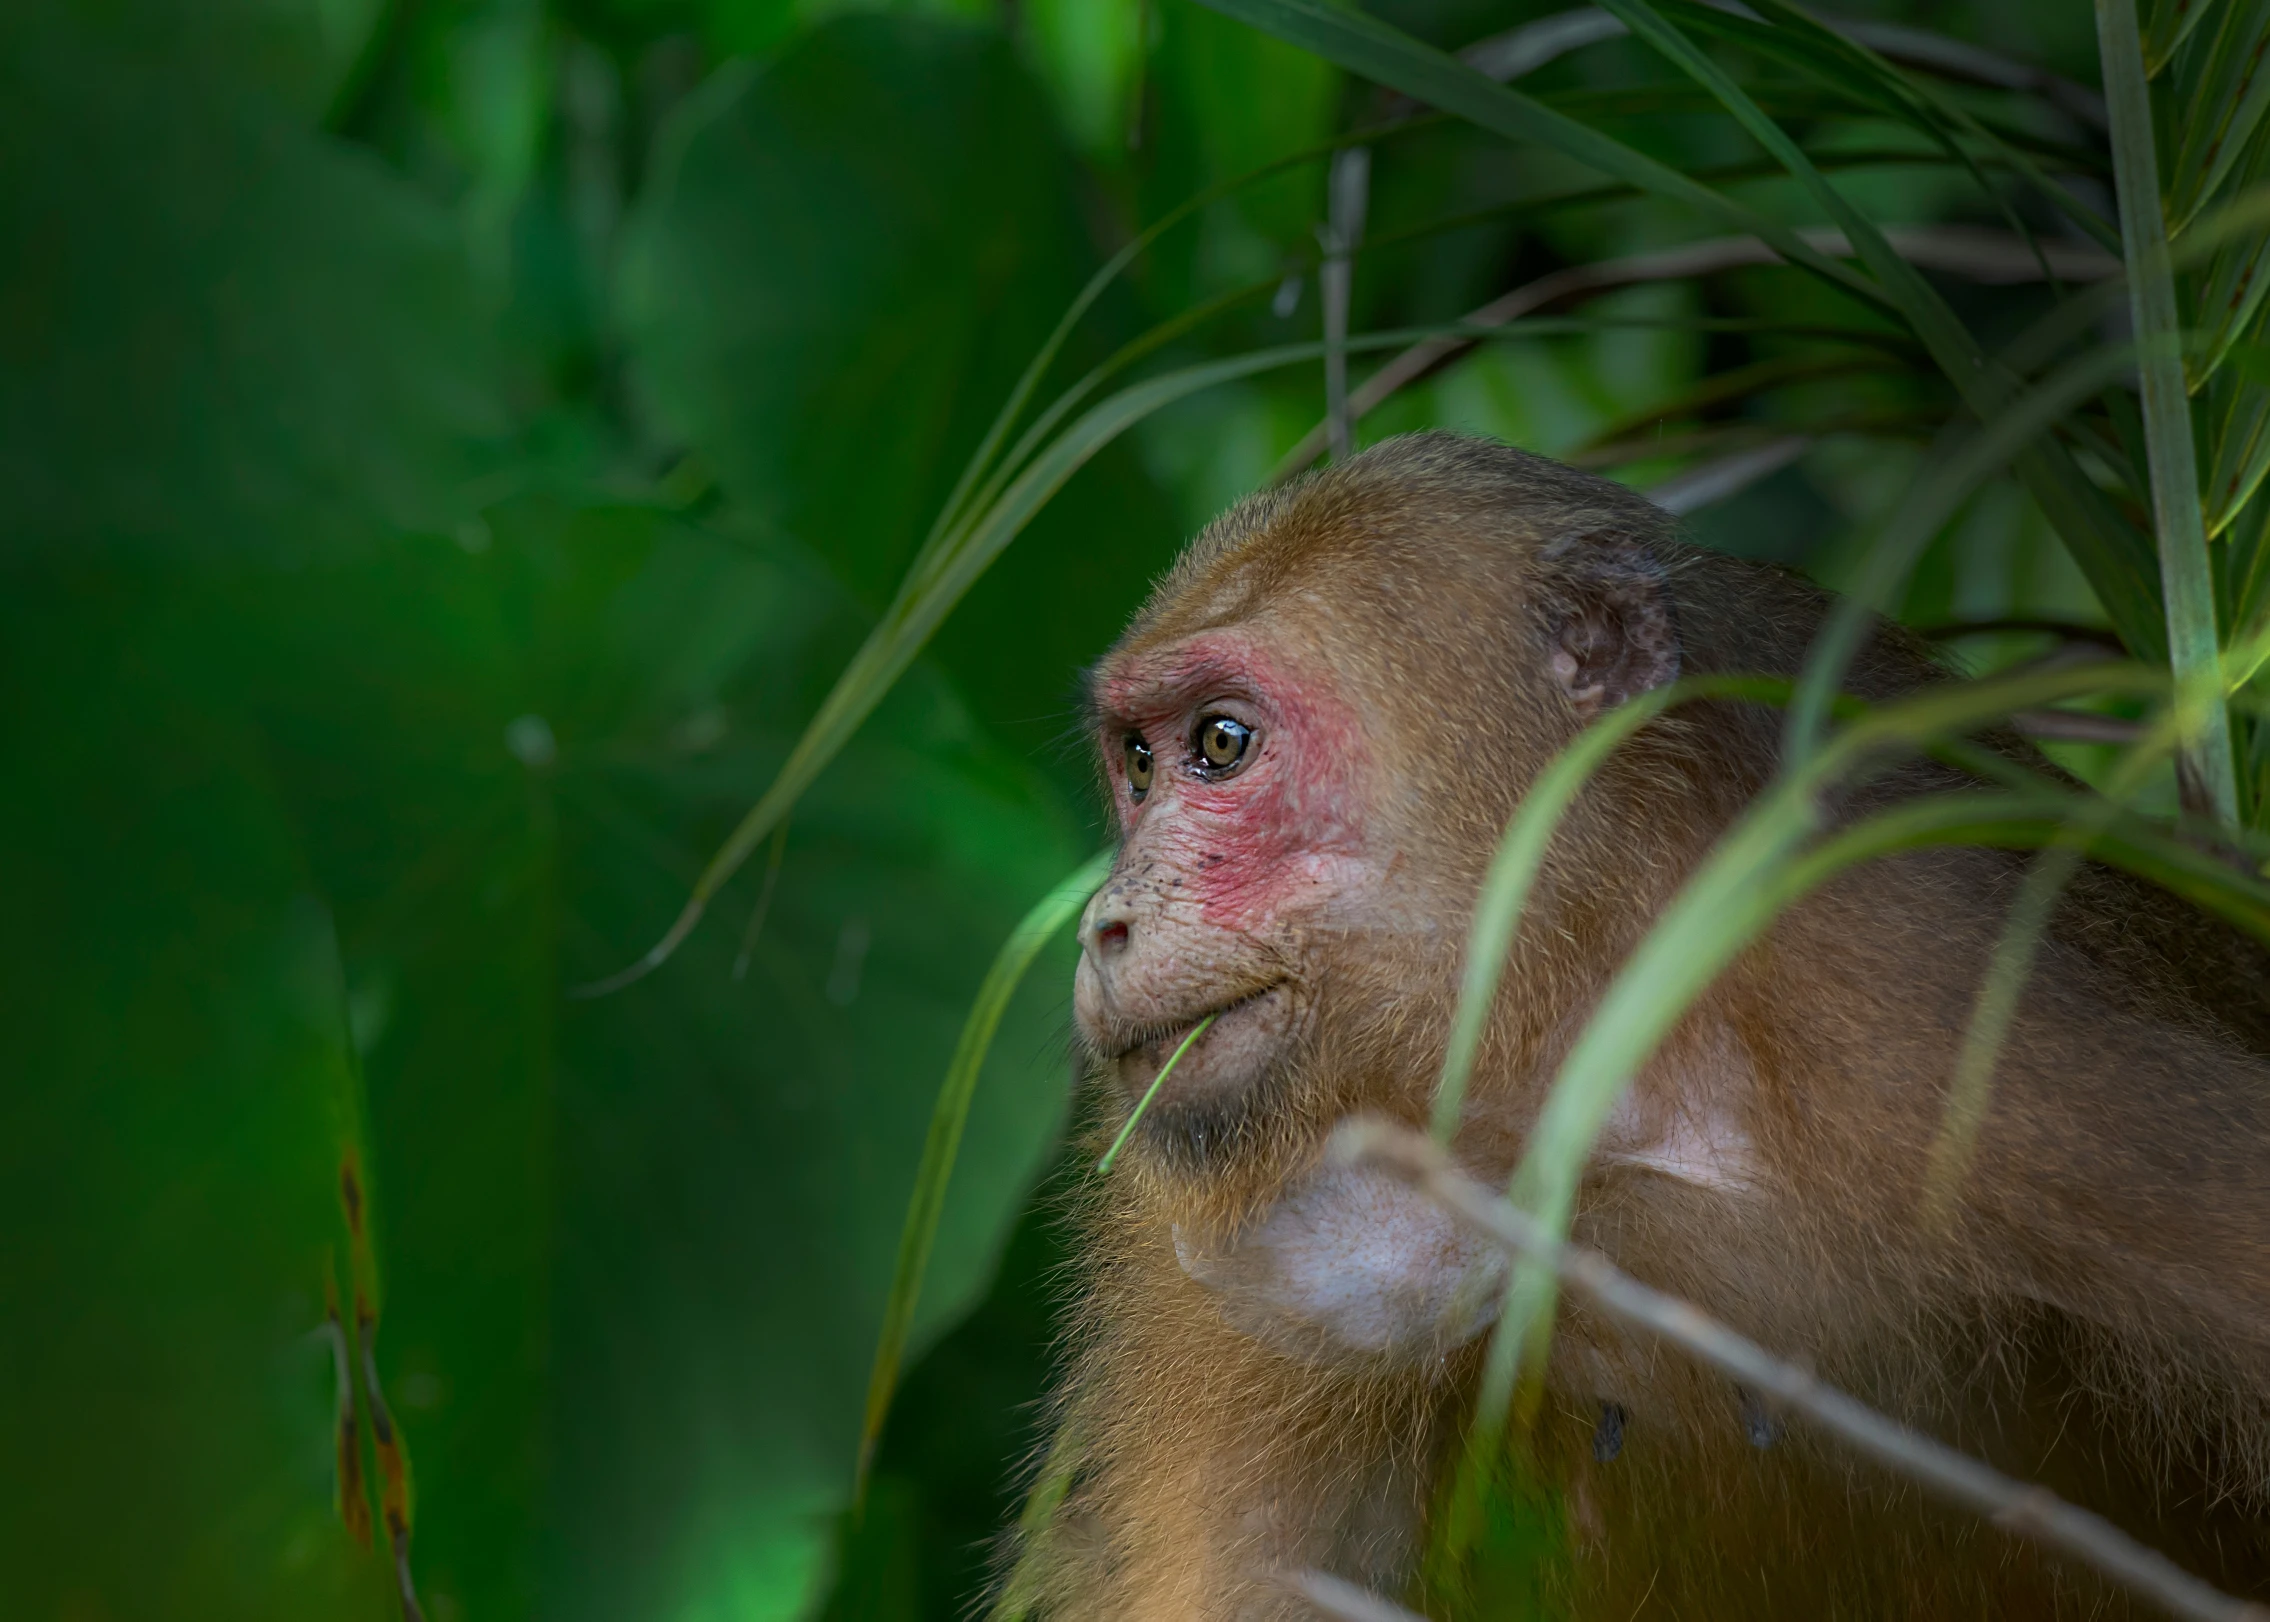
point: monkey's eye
(1222, 744)
(1135, 754)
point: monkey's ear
(1608, 612)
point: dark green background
(446, 451)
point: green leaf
(834, 377)
(220, 334)
(2171, 24)
(837, 372)
(638, 1250)
(179, 1106)
(1091, 52)
(299, 55)
(2239, 407)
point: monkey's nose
(1107, 928)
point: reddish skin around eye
(1258, 844)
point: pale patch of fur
(2100, 1317)
(1356, 1257)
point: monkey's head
(1312, 736)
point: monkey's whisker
(2010, 1504)
(1196, 1031)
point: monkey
(1311, 738)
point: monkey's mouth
(1241, 1039)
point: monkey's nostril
(1111, 937)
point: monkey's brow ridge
(1170, 683)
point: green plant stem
(1521, 854)
(1759, 867)
(1144, 1103)
(1049, 1490)
(2209, 773)
(943, 1145)
(1969, 459)
(2115, 557)
(1996, 1007)
(929, 594)
(1970, 1091)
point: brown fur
(2097, 1319)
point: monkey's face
(1237, 769)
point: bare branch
(1520, 50)
(2075, 726)
(1995, 258)
(1342, 1600)
(1717, 480)
(2012, 1505)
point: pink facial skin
(1220, 873)
(1239, 843)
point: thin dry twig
(1726, 476)
(1994, 258)
(2075, 726)
(1519, 50)
(2012, 1505)
(1342, 1600)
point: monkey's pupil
(1222, 741)
(1138, 765)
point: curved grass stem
(939, 1150)
(1144, 1103)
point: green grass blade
(1935, 501)
(2037, 811)
(1521, 854)
(2234, 243)
(2101, 541)
(2242, 448)
(2186, 574)
(1996, 1006)
(1049, 1490)
(2227, 101)
(1720, 910)
(1838, 60)
(2116, 560)
(1390, 57)
(981, 460)
(2231, 300)
(1736, 893)
(929, 595)
(1949, 341)
(940, 1149)
(2172, 23)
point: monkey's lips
(1241, 1044)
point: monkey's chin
(1223, 1067)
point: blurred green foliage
(447, 450)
